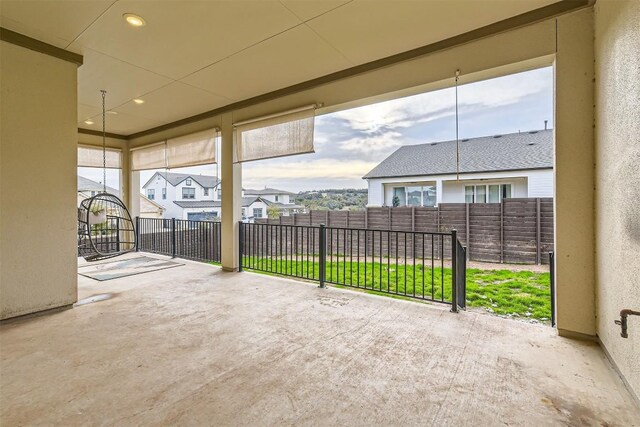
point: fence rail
(513, 231)
(420, 265)
(194, 240)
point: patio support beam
(231, 174)
(574, 175)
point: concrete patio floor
(192, 345)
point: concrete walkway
(192, 345)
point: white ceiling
(194, 56)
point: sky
(350, 143)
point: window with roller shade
(281, 135)
(90, 167)
(195, 149)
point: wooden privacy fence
(514, 231)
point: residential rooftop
(206, 181)
(514, 151)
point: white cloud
(422, 108)
(308, 170)
(385, 141)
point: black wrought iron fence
(422, 265)
(195, 240)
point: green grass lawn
(520, 294)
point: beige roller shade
(91, 157)
(191, 150)
(149, 157)
(280, 135)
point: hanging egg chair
(105, 227)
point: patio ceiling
(195, 56)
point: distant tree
(273, 212)
(396, 201)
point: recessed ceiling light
(134, 20)
(89, 121)
(138, 101)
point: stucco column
(134, 193)
(231, 175)
(574, 175)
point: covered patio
(198, 344)
(192, 345)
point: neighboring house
(279, 199)
(252, 207)
(88, 188)
(491, 168)
(169, 189)
(198, 197)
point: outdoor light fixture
(138, 101)
(134, 20)
(89, 121)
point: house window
(219, 193)
(493, 193)
(414, 196)
(481, 194)
(188, 193)
(276, 198)
(188, 181)
(257, 212)
(429, 196)
(164, 193)
(399, 196)
(151, 193)
(206, 191)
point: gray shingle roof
(86, 184)
(174, 179)
(267, 191)
(246, 201)
(515, 151)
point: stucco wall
(38, 156)
(574, 179)
(617, 54)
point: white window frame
(486, 186)
(191, 193)
(151, 193)
(406, 194)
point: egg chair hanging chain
(104, 142)
(457, 140)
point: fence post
(173, 237)
(468, 234)
(137, 233)
(538, 248)
(454, 268)
(502, 231)
(552, 283)
(240, 244)
(323, 254)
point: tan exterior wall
(617, 90)
(574, 179)
(38, 157)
